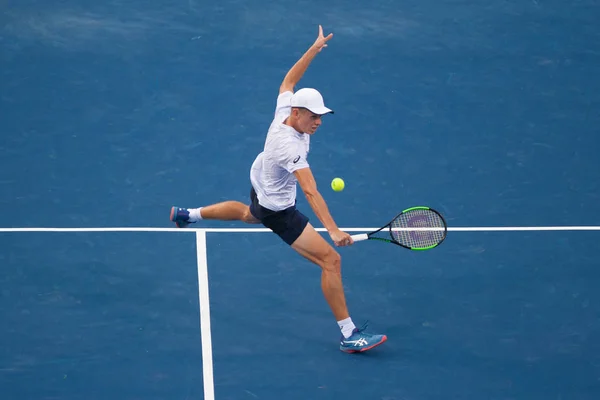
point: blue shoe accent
(181, 217)
(361, 341)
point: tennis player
(274, 175)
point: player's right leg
(311, 245)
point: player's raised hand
(321, 41)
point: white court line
(257, 230)
(205, 333)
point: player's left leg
(225, 211)
(229, 210)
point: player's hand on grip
(341, 238)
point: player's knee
(332, 261)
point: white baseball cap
(310, 99)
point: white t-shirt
(285, 151)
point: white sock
(346, 326)
(195, 214)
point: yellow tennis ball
(337, 184)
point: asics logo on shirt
(296, 159)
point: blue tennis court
(112, 112)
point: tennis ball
(337, 184)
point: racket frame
(369, 235)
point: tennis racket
(416, 228)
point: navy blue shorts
(288, 224)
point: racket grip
(359, 237)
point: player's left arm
(297, 71)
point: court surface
(112, 112)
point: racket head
(418, 228)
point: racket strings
(419, 228)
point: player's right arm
(308, 185)
(297, 71)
